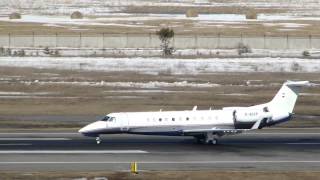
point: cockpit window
(108, 118)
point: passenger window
(187, 119)
(160, 119)
(173, 119)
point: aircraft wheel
(214, 141)
(98, 140)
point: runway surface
(270, 149)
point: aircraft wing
(215, 130)
(221, 131)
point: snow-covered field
(103, 7)
(40, 4)
(203, 18)
(294, 17)
(166, 66)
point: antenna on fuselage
(160, 110)
(194, 108)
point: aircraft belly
(111, 131)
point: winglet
(194, 108)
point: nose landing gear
(98, 140)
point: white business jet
(205, 125)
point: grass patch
(170, 175)
(91, 100)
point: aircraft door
(124, 125)
(234, 117)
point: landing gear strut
(98, 139)
(199, 139)
(211, 138)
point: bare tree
(165, 36)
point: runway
(270, 149)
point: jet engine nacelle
(279, 117)
(245, 118)
(251, 115)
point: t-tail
(282, 105)
(285, 99)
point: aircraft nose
(95, 127)
(83, 130)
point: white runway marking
(17, 144)
(304, 143)
(154, 162)
(309, 128)
(256, 132)
(280, 133)
(40, 133)
(74, 152)
(34, 139)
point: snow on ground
(152, 91)
(24, 93)
(277, 17)
(125, 97)
(52, 20)
(145, 85)
(148, 87)
(309, 94)
(234, 94)
(40, 97)
(166, 66)
(286, 25)
(103, 7)
(114, 18)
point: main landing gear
(208, 138)
(211, 138)
(98, 140)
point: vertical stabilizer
(286, 97)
